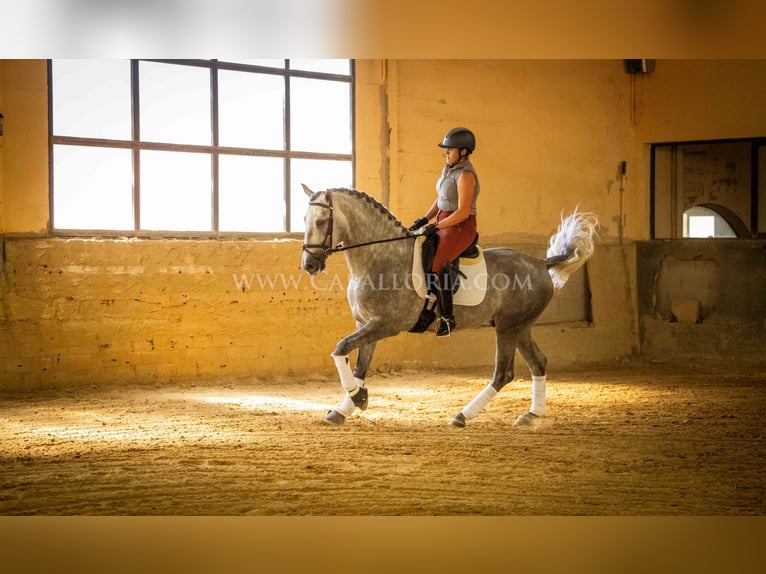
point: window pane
(701, 226)
(701, 221)
(318, 175)
(94, 188)
(251, 110)
(174, 103)
(327, 66)
(91, 98)
(252, 196)
(176, 192)
(320, 116)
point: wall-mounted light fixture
(639, 66)
(1, 124)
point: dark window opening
(709, 189)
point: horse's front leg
(365, 339)
(363, 360)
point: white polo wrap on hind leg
(349, 382)
(538, 395)
(481, 400)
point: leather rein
(326, 245)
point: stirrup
(445, 326)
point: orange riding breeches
(453, 240)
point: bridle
(327, 247)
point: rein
(341, 247)
(326, 245)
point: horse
(379, 251)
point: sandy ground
(630, 438)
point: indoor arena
(205, 308)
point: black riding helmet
(459, 138)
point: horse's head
(317, 241)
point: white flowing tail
(571, 246)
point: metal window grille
(212, 155)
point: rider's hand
(419, 223)
(430, 229)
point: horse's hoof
(335, 417)
(360, 399)
(529, 419)
(458, 421)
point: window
(174, 146)
(702, 221)
(709, 189)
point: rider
(455, 211)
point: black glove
(419, 223)
(431, 229)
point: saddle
(428, 252)
(473, 271)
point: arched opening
(711, 220)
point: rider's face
(452, 155)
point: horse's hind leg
(505, 353)
(537, 363)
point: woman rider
(455, 211)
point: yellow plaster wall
(550, 135)
(24, 170)
(371, 129)
(2, 153)
(688, 100)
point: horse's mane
(367, 198)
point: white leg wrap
(479, 402)
(346, 407)
(538, 396)
(347, 380)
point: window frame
(214, 150)
(753, 222)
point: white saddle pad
(473, 286)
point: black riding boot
(445, 323)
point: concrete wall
(551, 135)
(77, 311)
(89, 311)
(684, 101)
(728, 280)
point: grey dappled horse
(379, 252)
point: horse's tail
(571, 246)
